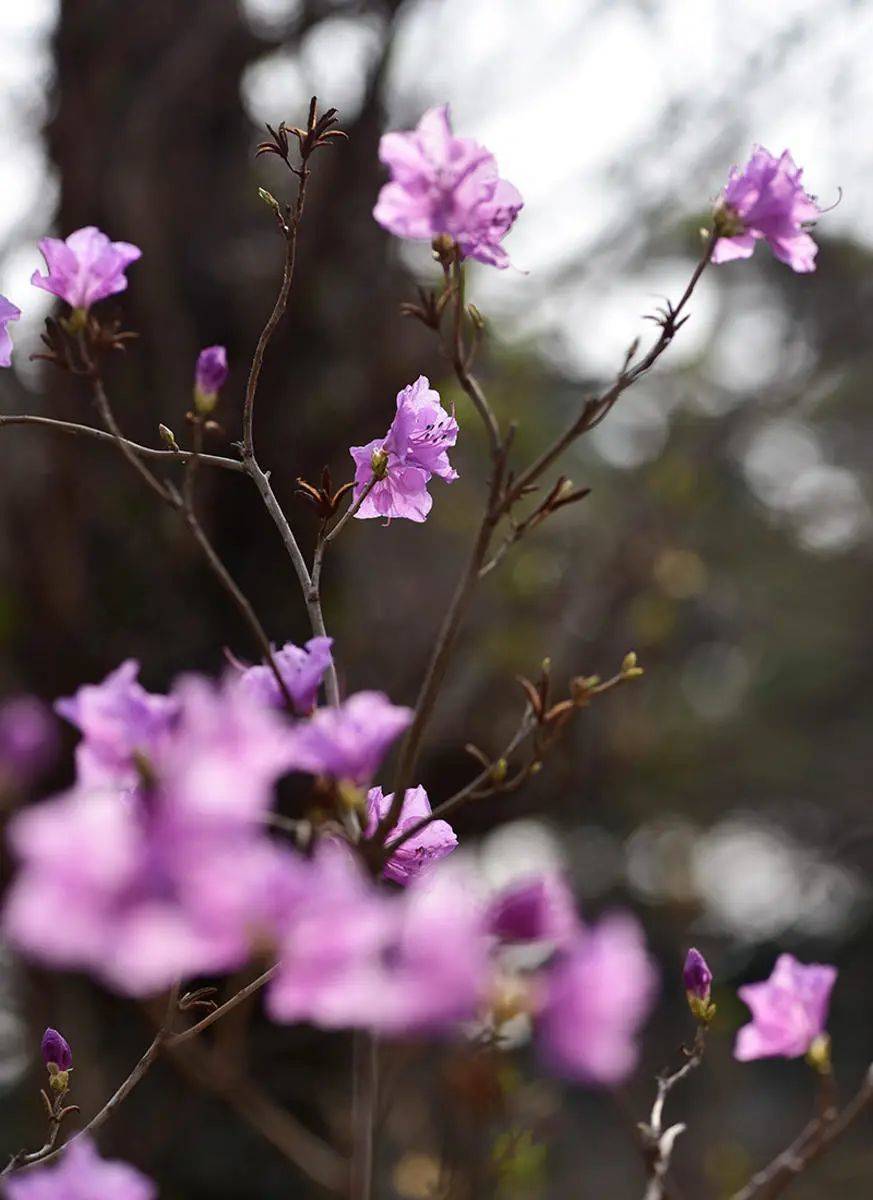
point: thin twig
(659, 1142)
(186, 1035)
(70, 427)
(816, 1139)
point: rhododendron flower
(56, 1049)
(789, 1010)
(348, 742)
(434, 842)
(766, 200)
(597, 995)
(357, 957)
(118, 720)
(442, 184)
(8, 312)
(81, 1174)
(302, 670)
(28, 738)
(173, 877)
(414, 448)
(85, 268)
(535, 909)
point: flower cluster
(402, 463)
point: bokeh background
(726, 539)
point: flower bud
(209, 378)
(379, 463)
(697, 978)
(56, 1051)
(819, 1054)
(168, 437)
(269, 198)
(629, 668)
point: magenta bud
(209, 378)
(56, 1050)
(697, 976)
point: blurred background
(727, 537)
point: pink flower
(85, 268)
(596, 996)
(81, 1174)
(536, 909)
(171, 876)
(302, 669)
(766, 200)
(789, 1010)
(354, 956)
(434, 842)
(442, 184)
(414, 449)
(119, 720)
(8, 312)
(348, 742)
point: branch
(178, 1039)
(658, 1142)
(69, 427)
(815, 1140)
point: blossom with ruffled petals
(119, 721)
(348, 742)
(540, 908)
(145, 882)
(302, 669)
(414, 449)
(81, 1174)
(789, 1010)
(596, 996)
(442, 184)
(86, 267)
(766, 200)
(8, 312)
(434, 842)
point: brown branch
(658, 1142)
(816, 1139)
(70, 427)
(186, 1035)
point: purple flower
(119, 720)
(442, 184)
(173, 876)
(537, 909)
(209, 377)
(434, 842)
(348, 742)
(789, 1010)
(8, 312)
(766, 200)
(414, 449)
(357, 957)
(85, 268)
(81, 1174)
(28, 738)
(597, 995)
(56, 1049)
(302, 669)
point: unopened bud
(476, 316)
(444, 249)
(270, 199)
(697, 978)
(379, 463)
(819, 1054)
(498, 771)
(168, 437)
(629, 668)
(55, 1050)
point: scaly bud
(56, 1050)
(379, 463)
(629, 668)
(697, 978)
(168, 437)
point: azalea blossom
(534, 909)
(414, 449)
(789, 1010)
(596, 997)
(8, 312)
(81, 1174)
(173, 876)
(428, 846)
(348, 742)
(766, 200)
(119, 721)
(302, 669)
(86, 267)
(443, 184)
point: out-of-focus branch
(71, 428)
(815, 1140)
(658, 1142)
